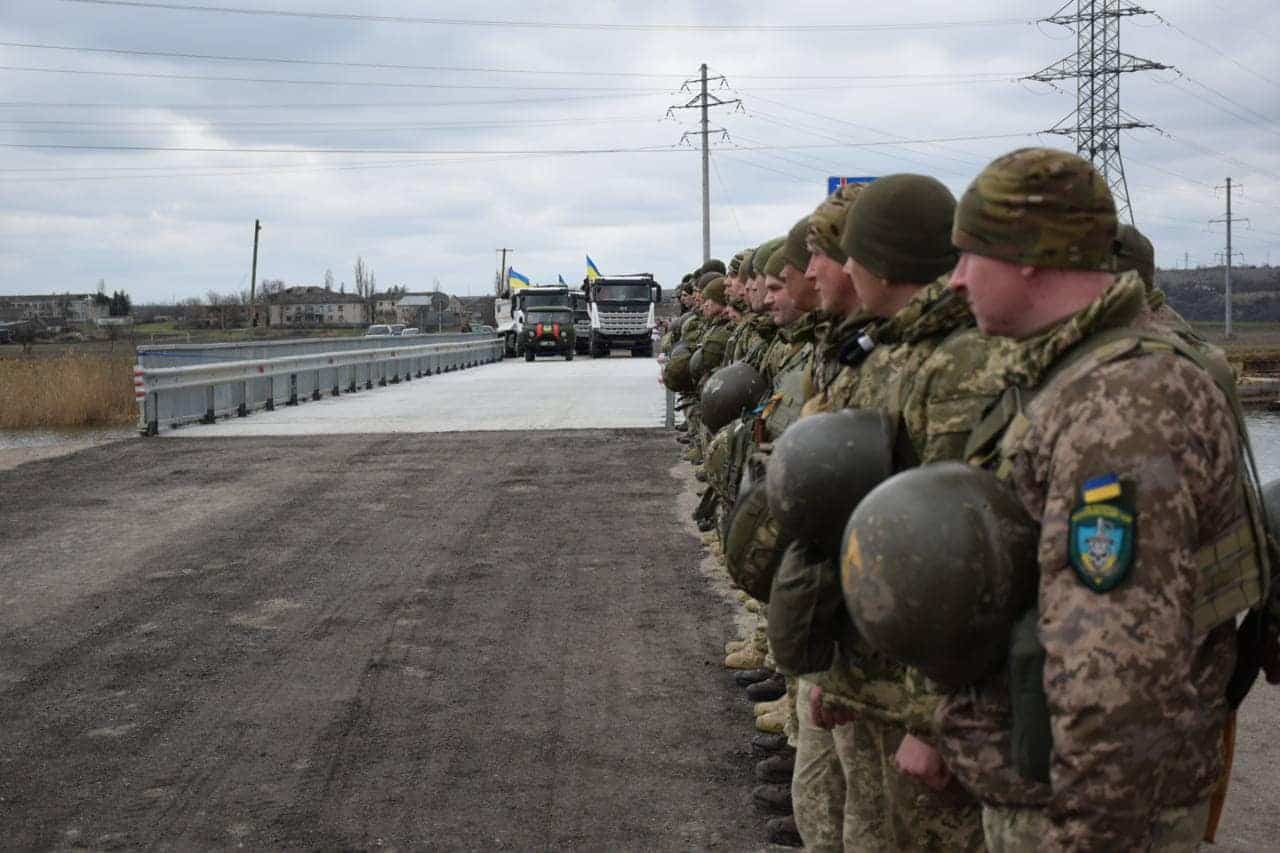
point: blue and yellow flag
(562, 281)
(515, 280)
(593, 272)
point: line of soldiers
(994, 505)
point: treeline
(1198, 294)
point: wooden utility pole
(253, 277)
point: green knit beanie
(794, 251)
(900, 229)
(764, 255)
(714, 290)
(747, 269)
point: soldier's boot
(773, 687)
(683, 426)
(706, 525)
(772, 723)
(706, 506)
(684, 439)
(733, 645)
(779, 704)
(753, 605)
(783, 832)
(747, 677)
(747, 657)
(777, 768)
(743, 596)
(693, 454)
(774, 799)
(700, 474)
(766, 743)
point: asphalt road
(468, 640)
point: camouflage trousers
(1177, 830)
(849, 795)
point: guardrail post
(245, 398)
(293, 390)
(209, 415)
(152, 416)
(315, 392)
(351, 388)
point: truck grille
(623, 323)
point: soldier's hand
(917, 759)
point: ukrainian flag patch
(1099, 489)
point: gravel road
(483, 640)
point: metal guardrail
(203, 392)
(181, 355)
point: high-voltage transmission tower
(1096, 67)
(703, 101)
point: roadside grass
(67, 391)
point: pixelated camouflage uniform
(1136, 696)
(930, 369)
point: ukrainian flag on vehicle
(593, 272)
(515, 280)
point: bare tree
(361, 271)
(328, 279)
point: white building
(317, 306)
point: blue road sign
(834, 183)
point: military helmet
(822, 466)
(712, 265)
(1133, 251)
(938, 563)
(675, 373)
(696, 367)
(729, 392)
(753, 548)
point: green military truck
(543, 319)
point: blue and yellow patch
(1102, 532)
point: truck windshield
(623, 293)
(540, 300)
(550, 315)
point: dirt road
(483, 640)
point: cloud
(164, 223)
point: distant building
(56, 309)
(430, 311)
(317, 306)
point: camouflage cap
(777, 259)
(1133, 251)
(735, 263)
(713, 290)
(1041, 207)
(712, 265)
(795, 250)
(900, 229)
(748, 264)
(765, 252)
(826, 223)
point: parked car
(377, 331)
(410, 332)
(397, 328)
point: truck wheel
(528, 355)
(598, 351)
(568, 354)
(511, 346)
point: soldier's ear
(1028, 272)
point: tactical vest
(1234, 569)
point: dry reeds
(69, 390)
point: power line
(325, 105)
(156, 75)
(560, 25)
(941, 77)
(1236, 62)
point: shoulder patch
(1102, 531)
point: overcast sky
(425, 145)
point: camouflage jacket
(692, 330)
(936, 374)
(738, 332)
(787, 366)
(1135, 694)
(753, 345)
(713, 343)
(830, 383)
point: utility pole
(1186, 260)
(1227, 259)
(703, 102)
(502, 272)
(253, 276)
(1096, 67)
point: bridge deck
(511, 395)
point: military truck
(581, 323)
(543, 319)
(622, 310)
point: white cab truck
(623, 310)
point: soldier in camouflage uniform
(1126, 452)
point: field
(67, 390)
